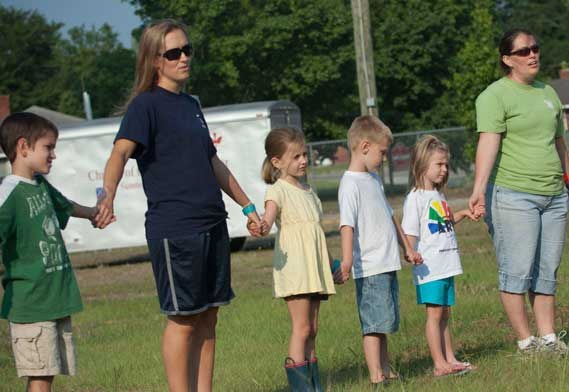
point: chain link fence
(329, 159)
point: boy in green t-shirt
(40, 290)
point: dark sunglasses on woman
(525, 51)
(176, 53)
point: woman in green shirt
(520, 164)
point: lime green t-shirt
(39, 283)
(529, 117)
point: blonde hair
(276, 144)
(151, 42)
(422, 152)
(367, 127)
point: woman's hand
(105, 213)
(477, 204)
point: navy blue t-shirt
(174, 152)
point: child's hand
(264, 227)
(94, 218)
(335, 266)
(479, 211)
(254, 229)
(342, 275)
(413, 257)
(473, 216)
(105, 212)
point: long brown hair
(420, 156)
(151, 41)
(276, 144)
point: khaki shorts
(43, 348)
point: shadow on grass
(356, 373)
(420, 366)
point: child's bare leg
(372, 350)
(202, 352)
(384, 357)
(39, 384)
(435, 337)
(299, 310)
(310, 350)
(448, 351)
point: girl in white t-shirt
(429, 226)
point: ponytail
(269, 173)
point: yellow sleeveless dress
(300, 261)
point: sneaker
(557, 346)
(534, 347)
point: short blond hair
(367, 127)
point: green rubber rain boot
(313, 369)
(299, 378)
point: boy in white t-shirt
(369, 235)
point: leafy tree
(27, 57)
(93, 60)
(303, 51)
(471, 71)
(272, 49)
(548, 21)
(415, 47)
(38, 67)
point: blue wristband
(249, 208)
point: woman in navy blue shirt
(165, 131)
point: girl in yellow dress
(301, 265)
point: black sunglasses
(176, 53)
(525, 51)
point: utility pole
(365, 69)
(364, 57)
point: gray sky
(118, 14)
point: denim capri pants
(378, 303)
(529, 233)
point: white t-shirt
(426, 215)
(364, 207)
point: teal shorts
(437, 292)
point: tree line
(432, 58)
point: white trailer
(238, 132)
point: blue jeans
(529, 233)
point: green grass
(118, 334)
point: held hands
(105, 214)
(342, 274)
(413, 257)
(477, 204)
(92, 215)
(256, 226)
(474, 215)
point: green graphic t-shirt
(39, 283)
(529, 117)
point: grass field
(118, 334)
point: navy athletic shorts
(193, 272)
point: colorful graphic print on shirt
(440, 218)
